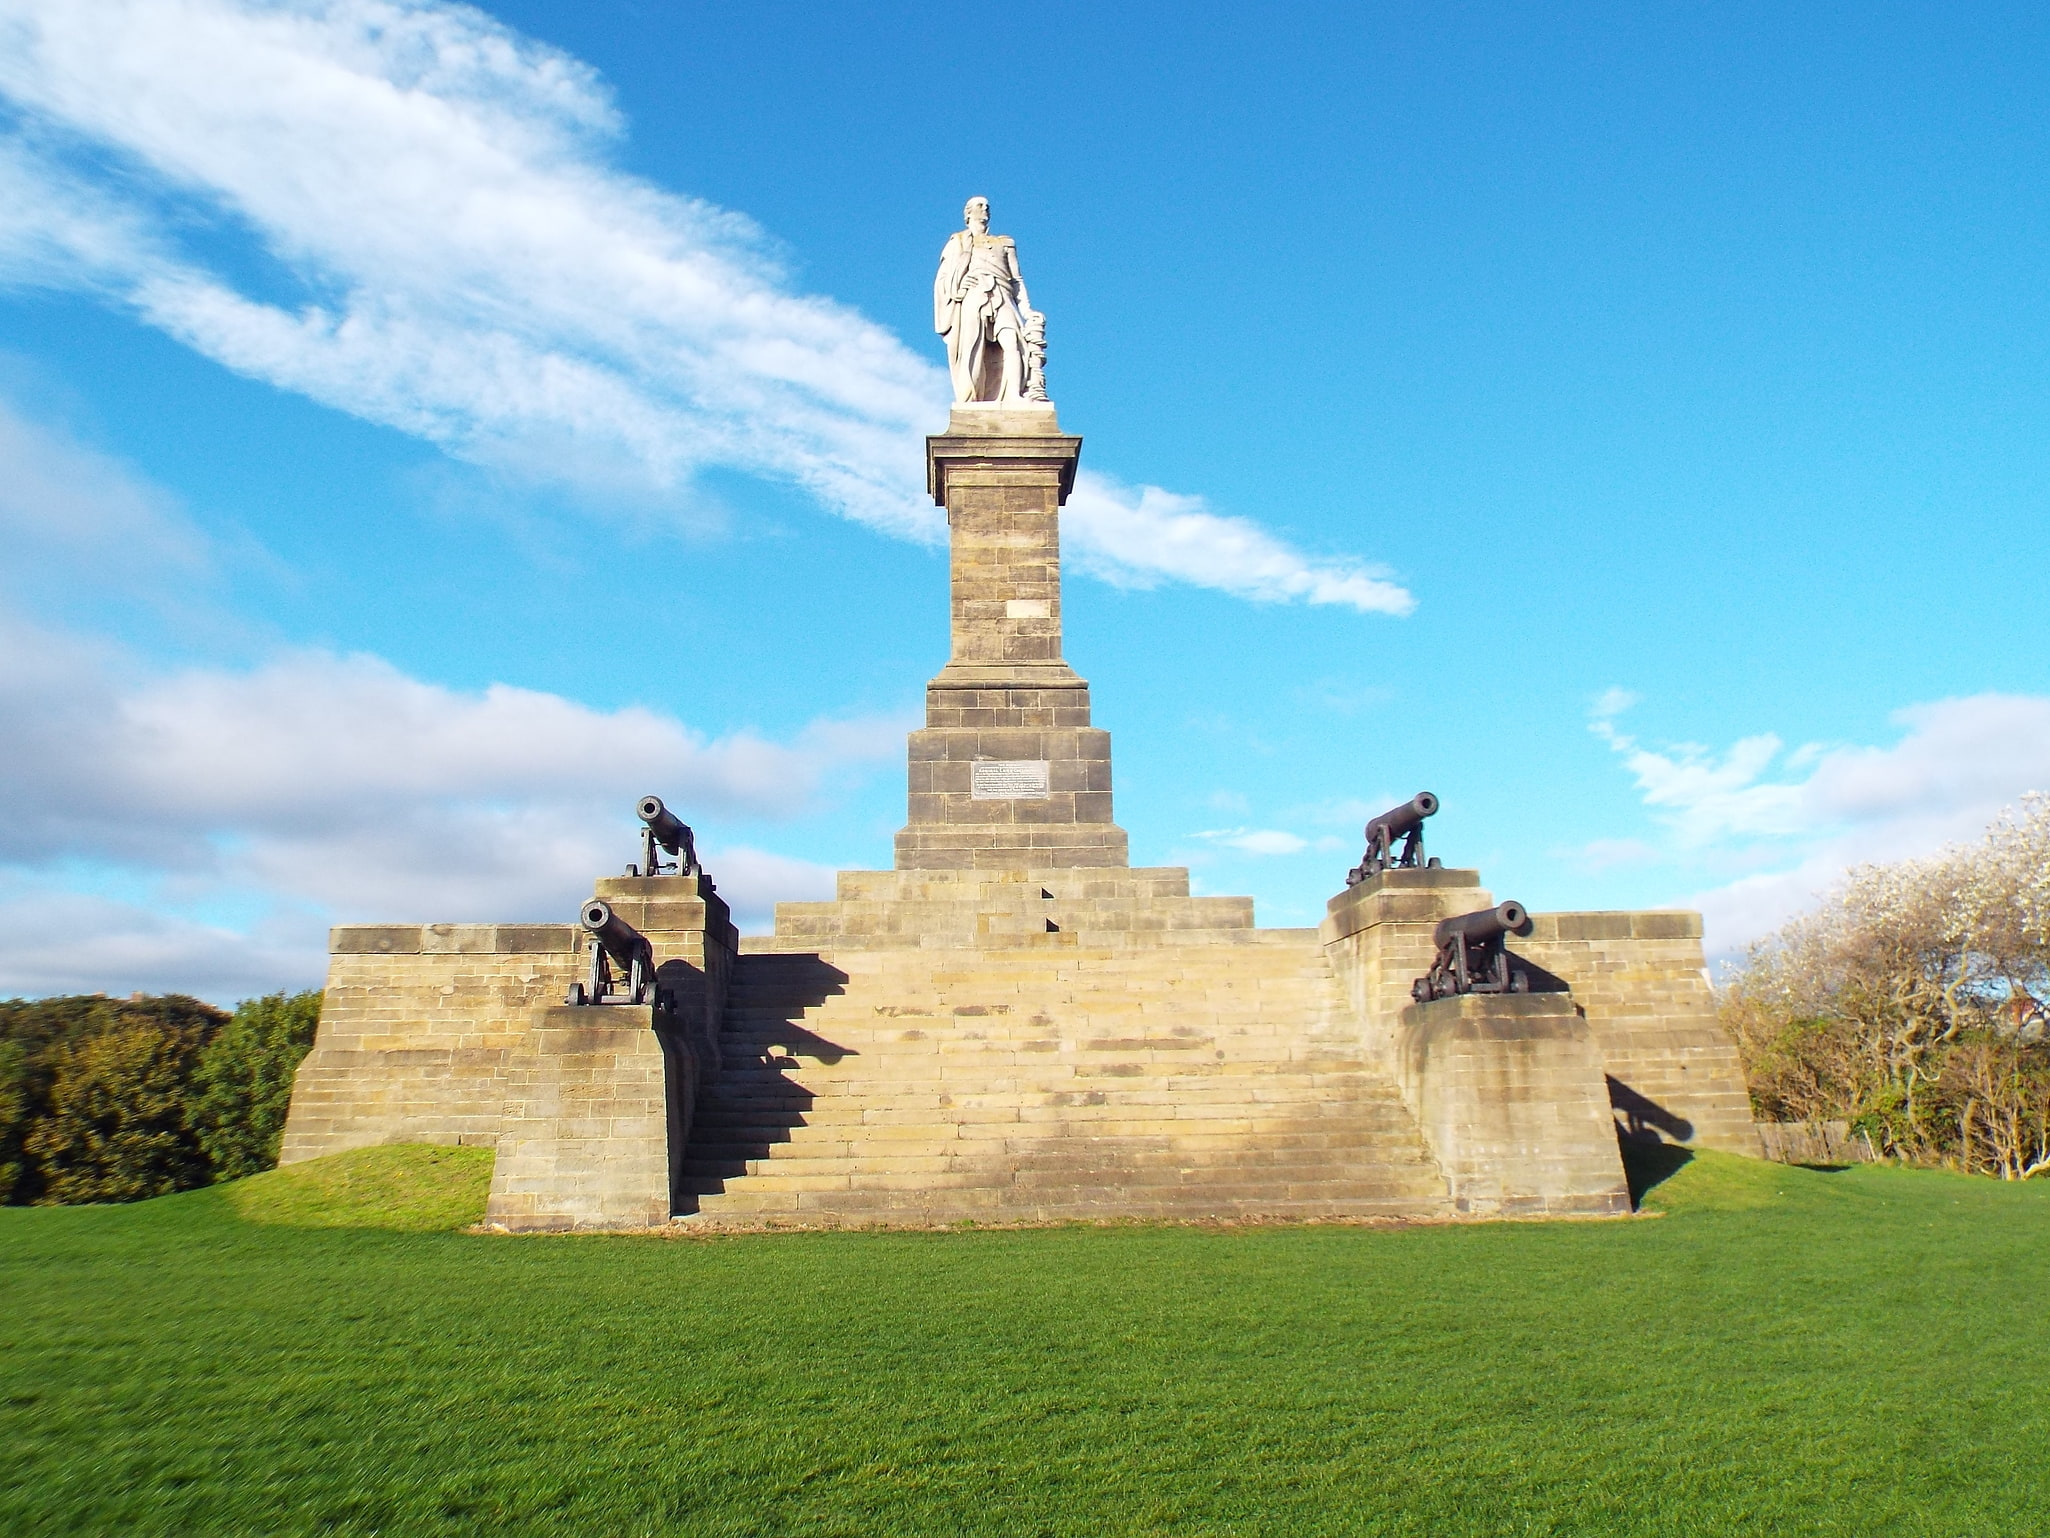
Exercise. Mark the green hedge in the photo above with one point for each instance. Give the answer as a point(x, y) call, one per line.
point(115, 1100)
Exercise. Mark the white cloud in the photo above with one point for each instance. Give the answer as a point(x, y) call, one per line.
point(1261, 841)
point(454, 256)
point(1795, 823)
point(55, 942)
point(203, 826)
point(317, 789)
point(1611, 703)
point(1138, 537)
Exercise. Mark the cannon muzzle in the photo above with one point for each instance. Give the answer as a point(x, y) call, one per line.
point(1508, 918)
point(665, 825)
point(1397, 821)
point(622, 942)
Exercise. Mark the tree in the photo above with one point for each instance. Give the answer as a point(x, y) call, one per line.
point(1911, 1003)
point(17, 1099)
point(116, 1128)
point(72, 1120)
point(242, 1085)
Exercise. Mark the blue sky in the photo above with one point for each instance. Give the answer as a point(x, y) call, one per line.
point(426, 428)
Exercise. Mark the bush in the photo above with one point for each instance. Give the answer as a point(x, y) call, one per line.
point(1912, 1003)
point(243, 1083)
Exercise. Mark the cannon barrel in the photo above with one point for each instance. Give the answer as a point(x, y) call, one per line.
point(622, 942)
point(1508, 918)
point(667, 827)
point(1401, 819)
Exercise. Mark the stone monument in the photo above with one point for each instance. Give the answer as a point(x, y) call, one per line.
point(1013, 1024)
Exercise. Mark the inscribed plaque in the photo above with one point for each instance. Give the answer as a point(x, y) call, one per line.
point(1018, 779)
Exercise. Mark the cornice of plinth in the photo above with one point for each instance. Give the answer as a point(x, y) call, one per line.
point(948, 454)
point(1007, 675)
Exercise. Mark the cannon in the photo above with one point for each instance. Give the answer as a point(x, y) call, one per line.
point(1473, 954)
point(662, 831)
point(615, 944)
point(1405, 822)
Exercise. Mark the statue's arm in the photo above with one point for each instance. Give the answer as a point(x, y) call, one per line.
point(1017, 276)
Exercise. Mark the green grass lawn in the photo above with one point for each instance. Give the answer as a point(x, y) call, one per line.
point(1786, 1350)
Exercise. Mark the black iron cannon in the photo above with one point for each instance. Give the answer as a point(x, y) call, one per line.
point(1405, 822)
point(620, 954)
point(1473, 955)
point(662, 830)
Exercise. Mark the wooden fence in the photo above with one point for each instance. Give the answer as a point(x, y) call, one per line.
point(1816, 1142)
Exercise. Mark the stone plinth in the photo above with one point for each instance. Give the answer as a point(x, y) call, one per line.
point(1509, 1091)
point(1008, 772)
point(1378, 935)
point(597, 1115)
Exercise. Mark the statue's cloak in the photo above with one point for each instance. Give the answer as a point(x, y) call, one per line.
point(946, 286)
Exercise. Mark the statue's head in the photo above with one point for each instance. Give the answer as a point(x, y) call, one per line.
point(977, 215)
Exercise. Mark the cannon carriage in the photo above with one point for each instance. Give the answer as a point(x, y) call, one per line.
point(1403, 824)
point(1473, 954)
point(622, 969)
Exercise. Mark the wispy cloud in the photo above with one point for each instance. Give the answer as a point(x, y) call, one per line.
point(450, 252)
point(1141, 536)
point(1794, 822)
point(64, 506)
point(1266, 841)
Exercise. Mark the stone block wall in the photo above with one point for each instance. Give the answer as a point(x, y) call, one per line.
point(1053, 910)
point(421, 1021)
point(415, 1028)
point(1674, 1074)
point(1671, 1071)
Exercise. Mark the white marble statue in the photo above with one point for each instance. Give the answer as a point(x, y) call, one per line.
point(996, 341)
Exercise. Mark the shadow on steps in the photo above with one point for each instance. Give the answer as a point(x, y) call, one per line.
point(754, 1104)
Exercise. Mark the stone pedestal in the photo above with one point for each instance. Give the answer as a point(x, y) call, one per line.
point(1008, 773)
point(1509, 1091)
point(597, 1115)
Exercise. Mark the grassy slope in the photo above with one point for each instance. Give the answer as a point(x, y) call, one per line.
point(1787, 1350)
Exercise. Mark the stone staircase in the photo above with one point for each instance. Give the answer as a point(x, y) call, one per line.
point(1115, 1050)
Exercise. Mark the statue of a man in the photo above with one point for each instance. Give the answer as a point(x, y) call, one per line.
point(996, 341)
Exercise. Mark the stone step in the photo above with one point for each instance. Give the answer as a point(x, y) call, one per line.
point(1214, 1074)
point(1102, 1205)
point(1290, 1166)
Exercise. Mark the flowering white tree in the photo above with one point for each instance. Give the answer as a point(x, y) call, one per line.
point(1912, 1003)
